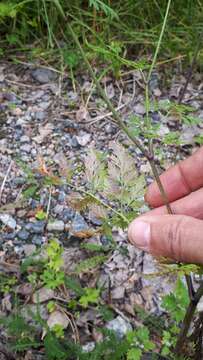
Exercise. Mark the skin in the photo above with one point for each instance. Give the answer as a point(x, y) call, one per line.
point(179, 236)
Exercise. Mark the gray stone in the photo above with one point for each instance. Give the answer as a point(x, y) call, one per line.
point(188, 133)
point(8, 220)
point(83, 139)
point(42, 295)
point(88, 347)
point(74, 142)
point(120, 326)
point(78, 225)
point(67, 214)
point(163, 130)
point(61, 196)
point(29, 249)
point(26, 148)
point(40, 115)
point(30, 312)
point(37, 240)
point(23, 235)
point(24, 139)
point(109, 129)
point(44, 76)
point(35, 227)
point(57, 225)
point(118, 293)
point(139, 109)
point(19, 181)
point(58, 209)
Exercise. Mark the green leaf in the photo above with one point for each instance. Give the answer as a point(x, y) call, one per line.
point(90, 264)
point(91, 296)
point(100, 5)
point(30, 191)
point(176, 303)
point(134, 354)
point(53, 348)
point(40, 215)
point(74, 285)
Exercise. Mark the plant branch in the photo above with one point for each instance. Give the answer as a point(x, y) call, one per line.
point(191, 68)
point(187, 320)
point(148, 153)
point(102, 93)
point(98, 200)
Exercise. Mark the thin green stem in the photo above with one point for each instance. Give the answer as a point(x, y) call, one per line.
point(159, 41)
point(102, 93)
point(99, 201)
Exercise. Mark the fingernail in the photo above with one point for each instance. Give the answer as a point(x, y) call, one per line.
point(139, 234)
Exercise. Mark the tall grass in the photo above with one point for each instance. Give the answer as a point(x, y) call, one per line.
point(133, 25)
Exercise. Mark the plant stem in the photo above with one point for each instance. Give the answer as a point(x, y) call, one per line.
point(150, 157)
point(159, 41)
point(102, 93)
point(159, 183)
point(98, 200)
point(190, 71)
point(187, 320)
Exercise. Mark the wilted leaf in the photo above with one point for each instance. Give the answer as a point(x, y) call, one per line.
point(58, 318)
point(98, 211)
point(84, 234)
point(95, 170)
point(78, 202)
point(123, 183)
point(65, 166)
point(82, 113)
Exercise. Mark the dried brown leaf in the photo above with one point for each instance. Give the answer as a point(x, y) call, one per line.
point(82, 113)
point(97, 211)
point(44, 131)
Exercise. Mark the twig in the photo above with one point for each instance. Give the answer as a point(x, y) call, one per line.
point(49, 203)
point(101, 117)
point(5, 179)
point(187, 320)
point(190, 71)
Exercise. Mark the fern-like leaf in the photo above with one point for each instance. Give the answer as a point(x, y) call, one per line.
point(124, 184)
point(95, 171)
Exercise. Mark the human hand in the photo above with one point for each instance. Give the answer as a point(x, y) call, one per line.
point(179, 236)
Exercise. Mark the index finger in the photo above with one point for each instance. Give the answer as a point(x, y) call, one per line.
point(179, 180)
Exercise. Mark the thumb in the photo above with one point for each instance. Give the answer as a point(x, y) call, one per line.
point(174, 236)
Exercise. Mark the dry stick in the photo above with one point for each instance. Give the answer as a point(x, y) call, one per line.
point(190, 71)
point(120, 122)
point(188, 319)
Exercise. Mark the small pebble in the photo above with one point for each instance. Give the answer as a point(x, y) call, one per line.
point(8, 220)
point(35, 227)
point(57, 225)
point(23, 235)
